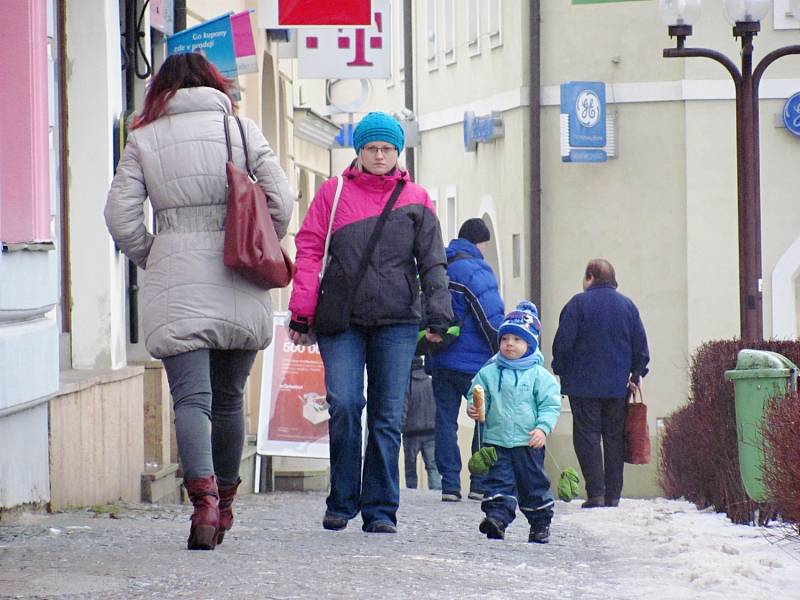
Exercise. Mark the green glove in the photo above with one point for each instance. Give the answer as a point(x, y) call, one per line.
point(482, 461)
point(568, 485)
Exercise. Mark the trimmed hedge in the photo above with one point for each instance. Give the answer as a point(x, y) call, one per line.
point(782, 471)
point(699, 452)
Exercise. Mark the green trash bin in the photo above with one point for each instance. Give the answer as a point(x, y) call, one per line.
point(759, 375)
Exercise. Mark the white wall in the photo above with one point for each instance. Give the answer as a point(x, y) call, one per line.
point(94, 103)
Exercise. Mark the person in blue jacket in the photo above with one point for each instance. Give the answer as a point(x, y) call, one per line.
point(600, 352)
point(522, 402)
point(478, 308)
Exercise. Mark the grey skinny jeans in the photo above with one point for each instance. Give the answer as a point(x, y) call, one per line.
point(207, 389)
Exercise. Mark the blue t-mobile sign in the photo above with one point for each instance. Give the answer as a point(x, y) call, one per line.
point(583, 121)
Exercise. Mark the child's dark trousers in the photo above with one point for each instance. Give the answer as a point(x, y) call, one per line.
point(518, 478)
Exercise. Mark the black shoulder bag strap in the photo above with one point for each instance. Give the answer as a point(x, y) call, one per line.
point(376, 233)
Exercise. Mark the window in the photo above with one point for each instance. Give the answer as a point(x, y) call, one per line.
point(401, 42)
point(430, 35)
point(494, 25)
point(449, 32)
point(473, 28)
point(434, 195)
point(452, 213)
point(396, 9)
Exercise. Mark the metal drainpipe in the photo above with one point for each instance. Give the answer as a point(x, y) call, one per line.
point(408, 73)
point(534, 145)
point(131, 36)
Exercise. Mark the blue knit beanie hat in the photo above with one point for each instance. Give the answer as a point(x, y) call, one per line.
point(523, 322)
point(378, 127)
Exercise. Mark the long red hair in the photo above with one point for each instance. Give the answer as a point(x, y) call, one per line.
point(185, 70)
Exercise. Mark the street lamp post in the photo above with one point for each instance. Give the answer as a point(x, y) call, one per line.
point(746, 16)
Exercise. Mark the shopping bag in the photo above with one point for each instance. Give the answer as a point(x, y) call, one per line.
point(637, 431)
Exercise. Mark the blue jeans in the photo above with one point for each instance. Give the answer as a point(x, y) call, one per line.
point(448, 389)
point(413, 445)
point(518, 478)
point(387, 352)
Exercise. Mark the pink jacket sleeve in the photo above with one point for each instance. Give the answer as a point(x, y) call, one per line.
point(310, 243)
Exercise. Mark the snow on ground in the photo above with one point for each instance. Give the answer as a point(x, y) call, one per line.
point(671, 550)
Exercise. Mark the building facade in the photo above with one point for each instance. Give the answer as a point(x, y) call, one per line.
point(84, 413)
point(663, 210)
point(80, 398)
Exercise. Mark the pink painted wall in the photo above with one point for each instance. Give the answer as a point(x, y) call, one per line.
point(24, 161)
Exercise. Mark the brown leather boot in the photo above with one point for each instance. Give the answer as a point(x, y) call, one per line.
point(205, 520)
point(226, 495)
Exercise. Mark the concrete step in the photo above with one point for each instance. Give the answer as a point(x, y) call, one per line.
point(161, 484)
point(301, 481)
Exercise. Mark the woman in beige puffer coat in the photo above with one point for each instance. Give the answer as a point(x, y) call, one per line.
point(202, 319)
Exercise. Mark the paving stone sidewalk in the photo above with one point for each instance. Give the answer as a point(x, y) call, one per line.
point(278, 549)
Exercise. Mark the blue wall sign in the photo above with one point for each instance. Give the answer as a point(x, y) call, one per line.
point(791, 114)
point(213, 39)
point(484, 128)
point(344, 139)
point(583, 112)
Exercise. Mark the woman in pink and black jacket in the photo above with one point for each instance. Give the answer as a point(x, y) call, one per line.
point(384, 318)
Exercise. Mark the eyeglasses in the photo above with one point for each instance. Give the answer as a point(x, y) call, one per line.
point(385, 150)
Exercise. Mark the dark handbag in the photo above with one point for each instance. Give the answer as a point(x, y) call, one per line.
point(336, 290)
point(637, 432)
point(252, 248)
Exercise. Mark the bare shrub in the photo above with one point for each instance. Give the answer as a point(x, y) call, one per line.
point(699, 457)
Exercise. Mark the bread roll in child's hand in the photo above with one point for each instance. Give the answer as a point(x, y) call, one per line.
point(477, 402)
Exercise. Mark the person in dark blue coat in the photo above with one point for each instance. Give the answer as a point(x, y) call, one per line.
point(600, 352)
point(479, 309)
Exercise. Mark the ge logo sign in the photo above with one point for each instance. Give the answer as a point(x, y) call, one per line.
point(587, 108)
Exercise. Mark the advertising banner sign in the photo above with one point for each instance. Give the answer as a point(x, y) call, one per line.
point(161, 16)
point(213, 39)
point(280, 14)
point(482, 129)
point(244, 46)
point(583, 121)
point(362, 53)
point(791, 114)
point(293, 411)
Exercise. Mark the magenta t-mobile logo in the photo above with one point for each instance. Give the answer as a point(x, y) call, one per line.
point(358, 42)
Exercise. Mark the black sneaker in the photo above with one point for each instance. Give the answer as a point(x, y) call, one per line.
point(492, 529)
point(380, 527)
point(540, 534)
point(475, 495)
point(453, 496)
point(334, 523)
point(612, 502)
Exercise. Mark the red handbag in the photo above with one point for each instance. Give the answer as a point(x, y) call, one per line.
point(252, 248)
point(637, 431)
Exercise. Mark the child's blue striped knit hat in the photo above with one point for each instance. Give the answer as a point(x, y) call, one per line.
point(378, 127)
point(523, 322)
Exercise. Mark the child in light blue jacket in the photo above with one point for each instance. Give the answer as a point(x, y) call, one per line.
point(522, 402)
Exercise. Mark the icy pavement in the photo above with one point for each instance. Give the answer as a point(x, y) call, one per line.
point(278, 549)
